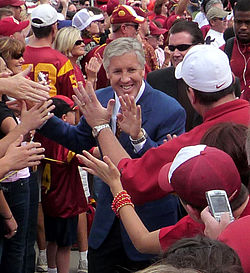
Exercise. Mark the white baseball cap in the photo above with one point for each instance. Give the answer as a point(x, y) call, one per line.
point(46, 14)
point(84, 18)
point(205, 68)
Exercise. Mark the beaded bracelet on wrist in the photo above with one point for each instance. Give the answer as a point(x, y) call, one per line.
point(121, 199)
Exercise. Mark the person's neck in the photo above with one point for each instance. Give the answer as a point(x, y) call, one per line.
point(205, 108)
point(43, 42)
point(237, 213)
point(73, 60)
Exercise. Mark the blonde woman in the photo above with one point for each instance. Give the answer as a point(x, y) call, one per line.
point(70, 43)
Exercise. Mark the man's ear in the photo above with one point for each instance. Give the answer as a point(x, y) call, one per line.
point(191, 95)
point(194, 213)
point(64, 117)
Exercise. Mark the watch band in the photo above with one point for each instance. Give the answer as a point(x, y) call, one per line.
point(141, 139)
point(97, 129)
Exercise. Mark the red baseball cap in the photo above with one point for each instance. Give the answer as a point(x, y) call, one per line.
point(197, 169)
point(139, 11)
point(111, 5)
point(14, 3)
point(154, 30)
point(66, 99)
point(125, 14)
point(237, 236)
point(9, 25)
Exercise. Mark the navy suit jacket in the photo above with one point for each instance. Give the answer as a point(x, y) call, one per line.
point(161, 115)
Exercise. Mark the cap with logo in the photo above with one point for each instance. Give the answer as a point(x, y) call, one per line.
point(14, 3)
point(63, 105)
point(84, 18)
point(205, 68)
point(215, 12)
point(197, 169)
point(45, 14)
point(125, 14)
point(9, 25)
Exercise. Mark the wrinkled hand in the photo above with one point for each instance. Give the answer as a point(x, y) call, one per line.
point(93, 67)
point(18, 157)
point(36, 116)
point(23, 88)
point(130, 117)
point(11, 227)
point(105, 169)
point(213, 228)
point(94, 113)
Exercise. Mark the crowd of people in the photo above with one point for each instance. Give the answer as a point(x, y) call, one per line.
point(116, 118)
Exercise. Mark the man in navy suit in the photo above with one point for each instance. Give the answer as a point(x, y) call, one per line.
point(110, 249)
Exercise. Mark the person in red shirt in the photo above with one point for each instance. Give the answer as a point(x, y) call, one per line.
point(239, 54)
point(56, 67)
point(194, 170)
point(63, 197)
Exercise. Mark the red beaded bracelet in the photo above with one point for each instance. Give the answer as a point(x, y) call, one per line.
point(121, 199)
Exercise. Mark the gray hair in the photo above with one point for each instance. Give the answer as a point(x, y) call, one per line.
point(210, 4)
point(121, 46)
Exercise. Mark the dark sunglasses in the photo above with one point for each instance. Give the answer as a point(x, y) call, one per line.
point(101, 21)
point(17, 56)
point(136, 26)
point(222, 19)
point(182, 47)
point(79, 42)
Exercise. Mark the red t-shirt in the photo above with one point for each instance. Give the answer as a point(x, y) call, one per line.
point(186, 227)
point(55, 66)
point(62, 189)
point(146, 168)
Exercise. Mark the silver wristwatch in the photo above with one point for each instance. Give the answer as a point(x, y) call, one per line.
point(97, 129)
point(141, 139)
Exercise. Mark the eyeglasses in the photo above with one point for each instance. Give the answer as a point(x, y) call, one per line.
point(222, 19)
point(79, 42)
point(181, 47)
point(136, 26)
point(17, 56)
point(101, 21)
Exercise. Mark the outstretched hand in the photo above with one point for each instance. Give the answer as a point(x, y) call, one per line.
point(105, 169)
point(36, 116)
point(129, 119)
point(94, 113)
point(19, 157)
point(26, 89)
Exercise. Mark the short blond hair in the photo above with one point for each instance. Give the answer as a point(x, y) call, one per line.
point(65, 40)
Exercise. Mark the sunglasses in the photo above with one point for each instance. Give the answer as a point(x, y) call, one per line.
point(222, 19)
point(79, 42)
point(136, 26)
point(101, 21)
point(17, 56)
point(181, 47)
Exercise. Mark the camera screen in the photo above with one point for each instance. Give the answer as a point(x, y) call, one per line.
point(219, 204)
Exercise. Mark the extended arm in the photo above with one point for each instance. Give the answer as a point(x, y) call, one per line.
point(143, 240)
point(21, 88)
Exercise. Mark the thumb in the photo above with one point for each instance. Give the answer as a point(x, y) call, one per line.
point(110, 106)
point(18, 141)
point(5, 74)
point(23, 106)
point(26, 71)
